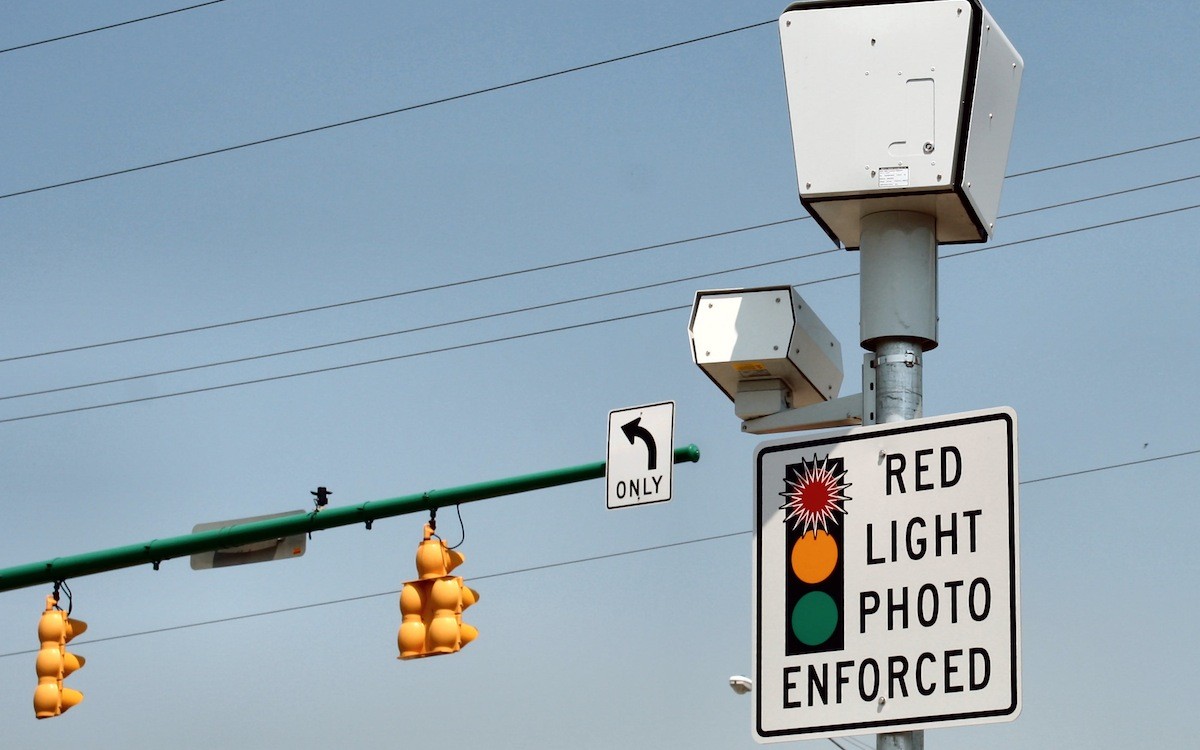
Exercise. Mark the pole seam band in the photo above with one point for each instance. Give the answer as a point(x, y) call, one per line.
point(908, 359)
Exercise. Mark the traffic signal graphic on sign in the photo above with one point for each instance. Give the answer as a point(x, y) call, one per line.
point(878, 609)
point(814, 501)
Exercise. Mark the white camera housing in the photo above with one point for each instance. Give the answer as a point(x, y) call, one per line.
point(765, 349)
point(904, 105)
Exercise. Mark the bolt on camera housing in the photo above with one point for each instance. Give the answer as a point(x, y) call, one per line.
point(906, 105)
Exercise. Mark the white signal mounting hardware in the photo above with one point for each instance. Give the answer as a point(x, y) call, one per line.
point(900, 106)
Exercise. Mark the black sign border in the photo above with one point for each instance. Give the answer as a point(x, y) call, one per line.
point(901, 428)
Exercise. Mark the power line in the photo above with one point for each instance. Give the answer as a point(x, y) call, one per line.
point(408, 292)
point(531, 308)
point(1113, 194)
point(558, 329)
point(548, 566)
point(1066, 232)
point(487, 90)
point(346, 600)
point(608, 556)
point(334, 368)
point(109, 26)
point(389, 113)
point(429, 327)
point(1107, 156)
point(562, 264)
point(1110, 466)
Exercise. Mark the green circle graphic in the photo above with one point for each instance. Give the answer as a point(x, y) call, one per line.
point(814, 618)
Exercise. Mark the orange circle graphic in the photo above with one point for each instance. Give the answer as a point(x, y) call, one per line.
point(814, 556)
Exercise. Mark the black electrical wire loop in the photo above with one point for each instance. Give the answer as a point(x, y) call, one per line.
point(458, 509)
point(62, 586)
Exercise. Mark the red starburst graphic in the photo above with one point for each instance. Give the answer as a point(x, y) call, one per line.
point(815, 491)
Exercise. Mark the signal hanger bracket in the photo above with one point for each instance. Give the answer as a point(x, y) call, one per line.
point(847, 411)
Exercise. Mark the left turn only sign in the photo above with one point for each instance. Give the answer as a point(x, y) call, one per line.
point(640, 454)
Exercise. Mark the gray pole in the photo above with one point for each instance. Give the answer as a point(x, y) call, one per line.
point(898, 322)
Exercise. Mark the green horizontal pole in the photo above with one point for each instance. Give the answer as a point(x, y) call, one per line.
point(157, 550)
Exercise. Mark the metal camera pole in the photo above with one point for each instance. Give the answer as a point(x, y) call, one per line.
point(898, 322)
point(902, 114)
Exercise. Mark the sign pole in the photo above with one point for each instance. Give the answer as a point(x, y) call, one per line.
point(898, 322)
point(902, 116)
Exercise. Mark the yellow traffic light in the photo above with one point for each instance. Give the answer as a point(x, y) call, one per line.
point(431, 605)
point(54, 662)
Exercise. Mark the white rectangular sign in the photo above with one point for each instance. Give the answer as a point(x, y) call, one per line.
point(641, 454)
point(886, 578)
point(281, 548)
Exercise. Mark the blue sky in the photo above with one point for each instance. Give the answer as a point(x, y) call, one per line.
point(1089, 336)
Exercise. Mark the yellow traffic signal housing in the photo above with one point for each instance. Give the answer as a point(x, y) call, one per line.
point(54, 662)
point(431, 605)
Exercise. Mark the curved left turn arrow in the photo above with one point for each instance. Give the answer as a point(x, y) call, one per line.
point(634, 430)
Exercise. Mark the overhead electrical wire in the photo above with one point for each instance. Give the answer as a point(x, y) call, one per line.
point(1108, 156)
point(560, 564)
point(566, 263)
point(1113, 194)
point(109, 26)
point(334, 368)
point(389, 113)
point(428, 327)
point(1052, 235)
point(465, 95)
point(558, 329)
point(853, 741)
point(443, 100)
point(408, 292)
point(450, 284)
point(531, 308)
point(1110, 466)
point(493, 276)
point(511, 312)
